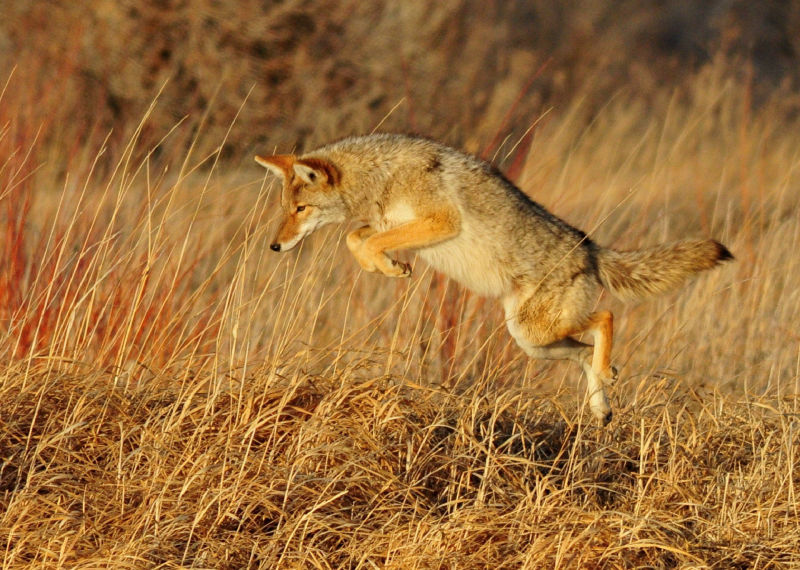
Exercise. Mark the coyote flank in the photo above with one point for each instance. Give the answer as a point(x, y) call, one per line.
point(465, 219)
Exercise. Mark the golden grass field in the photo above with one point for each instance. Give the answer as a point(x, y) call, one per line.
point(175, 395)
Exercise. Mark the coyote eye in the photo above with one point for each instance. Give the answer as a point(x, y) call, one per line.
point(300, 208)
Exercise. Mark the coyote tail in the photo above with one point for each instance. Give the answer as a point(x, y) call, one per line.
point(637, 274)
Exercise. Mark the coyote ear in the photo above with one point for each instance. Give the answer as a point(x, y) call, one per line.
point(279, 165)
point(312, 170)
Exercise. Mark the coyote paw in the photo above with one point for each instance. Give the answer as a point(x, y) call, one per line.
point(610, 375)
point(398, 269)
point(601, 410)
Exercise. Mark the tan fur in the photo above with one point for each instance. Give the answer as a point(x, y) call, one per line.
point(467, 221)
point(639, 274)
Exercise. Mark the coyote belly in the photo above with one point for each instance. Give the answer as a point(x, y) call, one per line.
point(468, 221)
point(471, 261)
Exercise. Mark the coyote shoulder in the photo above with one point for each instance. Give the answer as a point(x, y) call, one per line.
point(465, 219)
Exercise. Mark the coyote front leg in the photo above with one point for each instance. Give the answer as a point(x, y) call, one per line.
point(369, 246)
point(370, 261)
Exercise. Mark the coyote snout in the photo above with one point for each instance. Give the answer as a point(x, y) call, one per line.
point(469, 222)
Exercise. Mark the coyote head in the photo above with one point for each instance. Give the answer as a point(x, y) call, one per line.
point(310, 197)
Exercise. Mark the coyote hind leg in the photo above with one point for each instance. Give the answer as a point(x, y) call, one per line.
point(601, 327)
point(546, 343)
point(599, 371)
point(570, 349)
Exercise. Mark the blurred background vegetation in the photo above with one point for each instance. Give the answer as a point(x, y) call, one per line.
point(173, 394)
point(300, 72)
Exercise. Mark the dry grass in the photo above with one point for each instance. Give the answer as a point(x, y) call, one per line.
point(173, 394)
point(329, 472)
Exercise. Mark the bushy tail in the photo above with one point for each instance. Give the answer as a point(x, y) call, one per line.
point(637, 274)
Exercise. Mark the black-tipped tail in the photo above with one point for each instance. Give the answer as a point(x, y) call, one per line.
point(724, 253)
point(647, 272)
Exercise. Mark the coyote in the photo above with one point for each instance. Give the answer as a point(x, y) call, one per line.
point(465, 219)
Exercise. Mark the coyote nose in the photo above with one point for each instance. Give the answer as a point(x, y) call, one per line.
point(275, 247)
